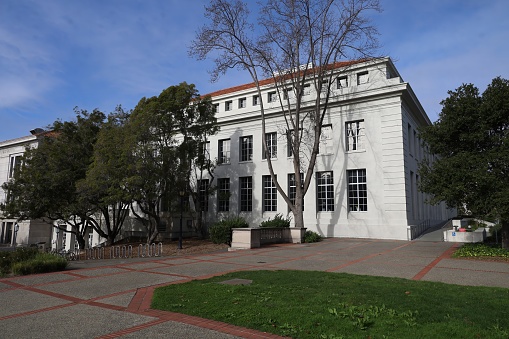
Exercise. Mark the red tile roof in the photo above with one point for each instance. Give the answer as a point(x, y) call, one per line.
point(264, 82)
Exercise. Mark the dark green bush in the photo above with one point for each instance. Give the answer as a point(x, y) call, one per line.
point(5, 263)
point(278, 221)
point(221, 231)
point(311, 236)
point(42, 263)
point(24, 253)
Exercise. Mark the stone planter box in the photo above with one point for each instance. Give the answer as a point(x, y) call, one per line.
point(247, 238)
point(456, 236)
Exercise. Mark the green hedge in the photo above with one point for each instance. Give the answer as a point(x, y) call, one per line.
point(278, 222)
point(42, 263)
point(28, 260)
point(221, 231)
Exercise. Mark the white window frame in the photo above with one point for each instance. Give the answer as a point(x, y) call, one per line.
point(357, 190)
point(242, 103)
point(269, 197)
point(228, 105)
point(325, 191)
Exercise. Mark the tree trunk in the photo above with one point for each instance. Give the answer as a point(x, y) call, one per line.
point(110, 240)
point(505, 232)
point(81, 240)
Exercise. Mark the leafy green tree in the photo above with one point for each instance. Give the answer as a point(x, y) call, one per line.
point(471, 141)
point(166, 132)
point(297, 45)
point(104, 184)
point(45, 186)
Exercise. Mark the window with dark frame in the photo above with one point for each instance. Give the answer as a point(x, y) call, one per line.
point(223, 194)
point(203, 194)
point(357, 190)
point(242, 102)
point(354, 135)
point(228, 105)
point(246, 148)
point(362, 78)
point(224, 151)
point(14, 164)
point(256, 100)
point(271, 142)
point(324, 191)
point(271, 97)
point(246, 194)
point(269, 194)
point(292, 187)
point(342, 82)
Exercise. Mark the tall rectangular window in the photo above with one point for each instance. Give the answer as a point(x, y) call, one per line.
point(203, 194)
point(269, 194)
point(324, 191)
point(325, 146)
point(357, 190)
point(271, 97)
point(223, 194)
point(292, 187)
point(228, 105)
point(246, 148)
point(246, 194)
point(355, 135)
point(271, 142)
point(215, 108)
point(242, 102)
point(224, 151)
point(14, 164)
point(256, 100)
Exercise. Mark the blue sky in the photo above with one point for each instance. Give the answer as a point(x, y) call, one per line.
point(58, 54)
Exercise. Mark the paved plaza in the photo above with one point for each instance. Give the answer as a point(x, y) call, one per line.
point(111, 298)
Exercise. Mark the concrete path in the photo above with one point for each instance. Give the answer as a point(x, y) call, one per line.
point(111, 298)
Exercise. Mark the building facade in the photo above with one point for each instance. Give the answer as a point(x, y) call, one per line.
point(12, 231)
point(365, 178)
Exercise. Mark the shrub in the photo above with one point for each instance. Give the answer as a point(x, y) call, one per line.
point(5, 263)
point(24, 254)
point(221, 231)
point(481, 250)
point(42, 263)
point(278, 222)
point(311, 236)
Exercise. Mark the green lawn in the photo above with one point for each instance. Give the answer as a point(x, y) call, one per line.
point(303, 304)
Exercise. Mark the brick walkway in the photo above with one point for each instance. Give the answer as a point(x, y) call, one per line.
point(111, 298)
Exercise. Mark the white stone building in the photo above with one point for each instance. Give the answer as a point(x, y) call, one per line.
point(12, 232)
point(365, 177)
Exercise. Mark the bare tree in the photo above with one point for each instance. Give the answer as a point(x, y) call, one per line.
point(297, 45)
